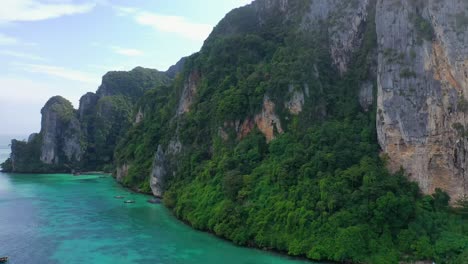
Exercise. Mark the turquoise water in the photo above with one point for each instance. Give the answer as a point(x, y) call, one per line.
point(76, 219)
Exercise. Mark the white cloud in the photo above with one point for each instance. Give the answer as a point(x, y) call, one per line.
point(175, 24)
point(112, 67)
point(33, 10)
point(60, 72)
point(7, 40)
point(127, 52)
point(13, 85)
point(21, 55)
point(22, 98)
point(124, 10)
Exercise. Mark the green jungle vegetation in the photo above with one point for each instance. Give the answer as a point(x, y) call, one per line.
point(318, 190)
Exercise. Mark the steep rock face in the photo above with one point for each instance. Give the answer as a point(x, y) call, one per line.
point(158, 173)
point(139, 116)
point(106, 116)
point(176, 68)
point(86, 139)
point(297, 100)
point(344, 21)
point(267, 121)
point(87, 104)
point(188, 93)
point(32, 137)
point(422, 91)
point(60, 132)
point(122, 172)
point(366, 95)
point(164, 162)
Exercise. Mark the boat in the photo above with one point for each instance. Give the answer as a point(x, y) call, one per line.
point(129, 201)
point(119, 197)
point(154, 201)
point(3, 259)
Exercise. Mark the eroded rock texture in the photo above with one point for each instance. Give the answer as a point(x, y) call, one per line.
point(60, 132)
point(422, 91)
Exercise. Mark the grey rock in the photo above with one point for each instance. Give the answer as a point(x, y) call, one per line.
point(297, 99)
point(158, 173)
point(188, 93)
point(61, 132)
point(87, 104)
point(139, 116)
point(122, 172)
point(176, 68)
point(366, 95)
point(345, 21)
point(32, 137)
point(420, 82)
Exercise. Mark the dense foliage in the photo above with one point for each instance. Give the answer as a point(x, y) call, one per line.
point(318, 190)
point(108, 115)
point(27, 157)
point(114, 112)
point(109, 121)
point(132, 84)
point(143, 138)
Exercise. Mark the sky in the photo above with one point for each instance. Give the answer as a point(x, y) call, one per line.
point(63, 47)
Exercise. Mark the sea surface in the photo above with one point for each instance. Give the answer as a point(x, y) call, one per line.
point(61, 218)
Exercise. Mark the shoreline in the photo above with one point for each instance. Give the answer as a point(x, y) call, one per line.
point(211, 233)
point(205, 231)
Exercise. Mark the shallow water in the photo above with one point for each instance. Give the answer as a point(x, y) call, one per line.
point(62, 218)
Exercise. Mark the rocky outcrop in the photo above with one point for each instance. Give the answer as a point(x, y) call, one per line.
point(164, 164)
point(176, 68)
point(345, 23)
point(87, 104)
point(122, 172)
point(366, 95)
point(297, 99)
point(158, 173)
point(422, 91)
point(86, 138)
point(139, 116)
point(188, 93)
point(32, 137)
point(60, 132)
point(267, 121)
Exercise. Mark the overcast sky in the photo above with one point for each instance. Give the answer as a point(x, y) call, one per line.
point(63, 47)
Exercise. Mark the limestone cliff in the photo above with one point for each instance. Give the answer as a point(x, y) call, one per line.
point(417, 80)
point(422, 91)
point(58, 146)
point(419, 65)
point(85, 139)
point(158, 173)
point(61, 132)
